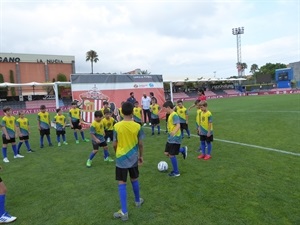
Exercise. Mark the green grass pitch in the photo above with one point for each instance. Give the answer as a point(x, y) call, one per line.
point(252, 178)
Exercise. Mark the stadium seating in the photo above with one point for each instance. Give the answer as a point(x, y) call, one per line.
point(232, 92)
point(38, 103)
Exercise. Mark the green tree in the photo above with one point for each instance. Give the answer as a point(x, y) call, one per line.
point(92, 56)
point(3, 90)
point(269, 69)
point(61, 77)
point(12, 80)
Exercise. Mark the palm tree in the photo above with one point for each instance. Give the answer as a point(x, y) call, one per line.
point(253, 68)
point(241, 67)
point(145, 72)
point(93, 57)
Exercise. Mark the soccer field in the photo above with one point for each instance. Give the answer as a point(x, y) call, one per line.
point(252, 178)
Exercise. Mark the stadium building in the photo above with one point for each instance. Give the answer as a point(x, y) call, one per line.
point(25, 68)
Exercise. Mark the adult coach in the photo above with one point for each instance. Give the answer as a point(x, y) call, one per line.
point(131, 99)
point(145, 102)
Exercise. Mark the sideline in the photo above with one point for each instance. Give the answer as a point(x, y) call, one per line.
point(248, 145)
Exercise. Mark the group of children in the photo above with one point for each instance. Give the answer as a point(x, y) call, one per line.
point(127, 136)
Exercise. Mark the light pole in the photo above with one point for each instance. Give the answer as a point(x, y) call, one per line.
point(238, 31)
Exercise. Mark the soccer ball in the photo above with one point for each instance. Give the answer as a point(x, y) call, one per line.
point(162, 166)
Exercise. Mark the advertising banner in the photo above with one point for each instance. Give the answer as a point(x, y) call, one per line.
point(91, 90)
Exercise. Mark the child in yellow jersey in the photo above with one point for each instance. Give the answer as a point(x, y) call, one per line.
point(44, 126)
point(137, 113)
point(174, 139)
point(9, 134)
point(121, 115)
point(60, 125)
point(98, 140)
point(22, 125)
point(109, 123)
point(154, 109)
point(75, 117)
point(105, 106)
point(183, 117)
point(128, 146)
point(205, 130)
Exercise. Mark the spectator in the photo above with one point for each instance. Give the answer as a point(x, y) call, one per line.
point(131, 99)
point(145, 102)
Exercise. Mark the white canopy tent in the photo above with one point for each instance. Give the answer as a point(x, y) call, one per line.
point(34, 84)
point(200, 80)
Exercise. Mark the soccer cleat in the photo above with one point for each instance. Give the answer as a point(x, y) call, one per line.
point(144, 124)
point(158, 133)
point(108, 159)
point(139, 204)
point(185, 152)
point(50, 144)
point(173, 174)
point(202, 156)
point(59, 144)
point(207, 157)
point(149, 124)
point(121, 215)
point(86, 140)
point(41, 146)
point(30, 151)
point(108, 140)
point(152, 134)
point(6, 160)
point(88, 163)
point(6, 218)
point(65, 143)
point(18, 156)
point(77, 142)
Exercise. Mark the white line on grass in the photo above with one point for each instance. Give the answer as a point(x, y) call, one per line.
point(254, 146)
point(248, 145)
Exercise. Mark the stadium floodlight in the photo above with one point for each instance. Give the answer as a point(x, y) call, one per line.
point(238, 31)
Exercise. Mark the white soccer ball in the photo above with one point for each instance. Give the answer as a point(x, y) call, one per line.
point(162, 166)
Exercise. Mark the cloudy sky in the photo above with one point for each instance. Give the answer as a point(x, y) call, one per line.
point(178, 38)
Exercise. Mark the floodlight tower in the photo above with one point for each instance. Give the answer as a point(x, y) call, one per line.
point(238, 31)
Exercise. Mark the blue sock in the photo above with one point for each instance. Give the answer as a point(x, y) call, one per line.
point(41, 140)
point(152, 128)
point(158, 129)
point(136, 190)
point(209, 147)
point(182, 150)
point(106, 154)
point(14, 147)
point(27, 145)
point(75, 135)
point(174, 164)
point(19, 146)
point(2, 204)
point(203, 147)
point(48, 138)
point(58, 138)
point(64, 138)
point(123, 197)
point(92, 155)
point(4, 152)
point(188, 132)
point(82, 135)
